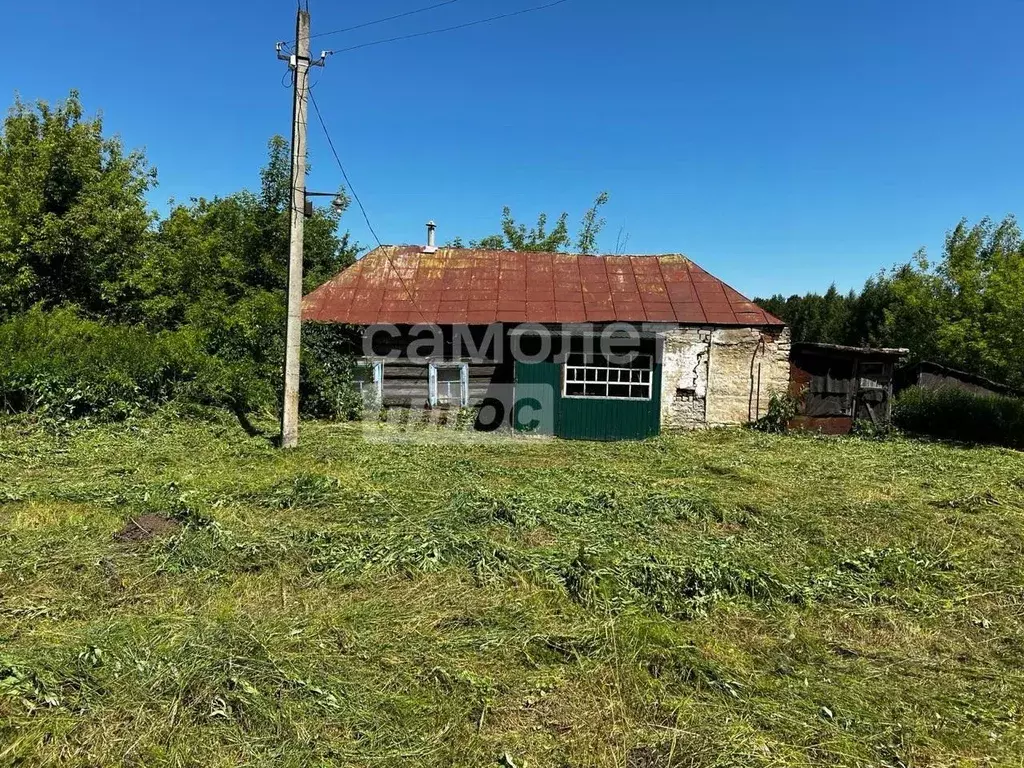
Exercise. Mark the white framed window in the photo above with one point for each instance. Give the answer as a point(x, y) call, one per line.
point(594, 376)
point(449, 385)
point(369, 377)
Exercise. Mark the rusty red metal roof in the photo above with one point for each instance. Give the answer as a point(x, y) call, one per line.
point(402, 285)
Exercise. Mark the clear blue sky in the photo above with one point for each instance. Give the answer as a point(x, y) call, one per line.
point(781, 145)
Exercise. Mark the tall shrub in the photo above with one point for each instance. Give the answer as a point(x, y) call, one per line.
point(328, 386)
point(956, 414)
point(66, 366)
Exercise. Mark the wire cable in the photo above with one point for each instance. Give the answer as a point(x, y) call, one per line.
point(334, 151)
point(362, 208)
point(386, 19)
point(453, 28)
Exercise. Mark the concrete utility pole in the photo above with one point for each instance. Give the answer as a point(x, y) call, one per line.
point(300, 63)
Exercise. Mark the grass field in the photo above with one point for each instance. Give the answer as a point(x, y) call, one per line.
point(717, 599)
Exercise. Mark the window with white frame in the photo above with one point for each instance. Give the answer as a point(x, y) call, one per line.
point(449, 385)
point(595, 376)
point(369, 377)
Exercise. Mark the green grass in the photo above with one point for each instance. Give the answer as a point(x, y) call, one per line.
point(726, 598)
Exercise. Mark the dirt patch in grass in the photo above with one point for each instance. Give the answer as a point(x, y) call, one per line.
point(540, 537)
point(146, 527)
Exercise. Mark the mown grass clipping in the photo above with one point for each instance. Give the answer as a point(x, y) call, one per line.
point(175, 592)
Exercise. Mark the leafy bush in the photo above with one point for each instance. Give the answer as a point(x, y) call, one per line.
point(65, 366)
point(956, 414)
point(328, 388)
point(869, 430)
point(782, 407)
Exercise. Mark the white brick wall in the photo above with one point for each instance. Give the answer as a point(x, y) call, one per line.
point(710, 375)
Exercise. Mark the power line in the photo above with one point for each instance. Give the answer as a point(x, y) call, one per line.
point(341, 165)
point(366, 218)
point(452, 29)
point(381, 21)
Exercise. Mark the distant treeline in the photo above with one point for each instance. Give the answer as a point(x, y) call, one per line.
point(965, 311)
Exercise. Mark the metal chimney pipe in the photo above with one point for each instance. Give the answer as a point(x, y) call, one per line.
point(431, 235)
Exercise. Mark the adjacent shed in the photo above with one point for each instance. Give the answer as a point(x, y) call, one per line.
point(934, 376)
point(838, 385)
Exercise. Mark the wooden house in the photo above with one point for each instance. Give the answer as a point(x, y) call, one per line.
point(523, 339)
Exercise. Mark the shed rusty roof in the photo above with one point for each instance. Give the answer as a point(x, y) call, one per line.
point(403, 285)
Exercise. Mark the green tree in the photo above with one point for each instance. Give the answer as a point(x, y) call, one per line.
point(519, 237)
point(210, 254)
point(913, 313)
point(591, 226)
point(815, 317)
point(866, 323)
point(74, 223)
point(966, 311)
point(220, 266)
point(979, 290)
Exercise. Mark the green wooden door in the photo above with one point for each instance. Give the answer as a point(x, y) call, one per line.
point(540, 408)
point(536, 397)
